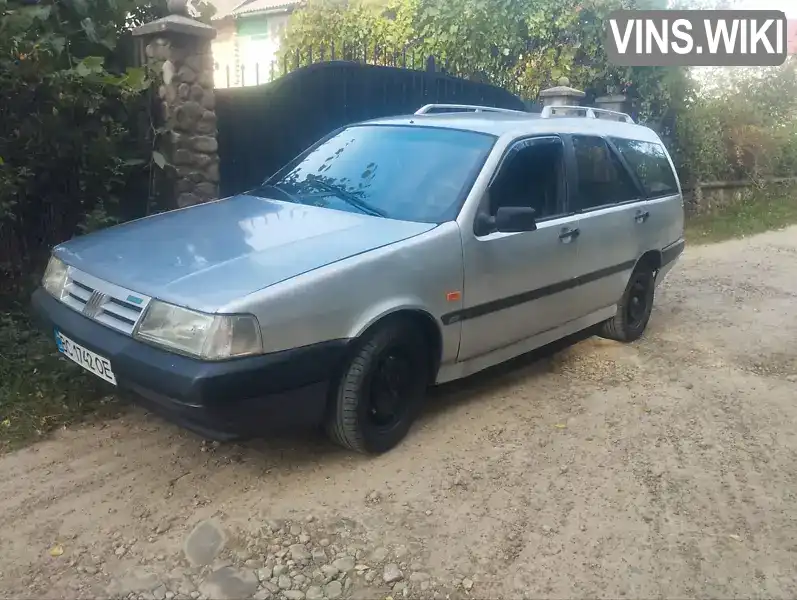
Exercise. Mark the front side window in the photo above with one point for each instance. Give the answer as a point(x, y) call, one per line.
point(408, 173)
point(602, 179)
point(531, 176)
point(650, 163)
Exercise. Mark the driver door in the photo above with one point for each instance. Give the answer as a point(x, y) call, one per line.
point(516, 283)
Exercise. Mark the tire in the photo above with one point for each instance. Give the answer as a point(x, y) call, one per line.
point(634, 308)
point(358, 417)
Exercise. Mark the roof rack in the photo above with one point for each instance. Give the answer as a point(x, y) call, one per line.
point(425, 110)
point(588, 112)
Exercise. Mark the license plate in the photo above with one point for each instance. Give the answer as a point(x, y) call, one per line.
point(87, 359)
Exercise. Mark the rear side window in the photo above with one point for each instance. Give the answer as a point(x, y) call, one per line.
point(650, 163)
point(602, 178)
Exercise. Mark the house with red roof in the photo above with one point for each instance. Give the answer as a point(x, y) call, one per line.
point(248, 35)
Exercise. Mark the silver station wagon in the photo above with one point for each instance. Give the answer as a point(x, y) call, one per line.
point(392, 255)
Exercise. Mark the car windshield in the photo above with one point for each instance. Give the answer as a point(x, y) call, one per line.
point(409, 173)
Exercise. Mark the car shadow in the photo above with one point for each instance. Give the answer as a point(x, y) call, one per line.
point(299, 447)
point(534, 363)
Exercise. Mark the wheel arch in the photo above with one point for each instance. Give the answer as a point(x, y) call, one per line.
point(416, 316)
point(650, 259)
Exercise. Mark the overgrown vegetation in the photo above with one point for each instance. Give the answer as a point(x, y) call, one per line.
point(73, 143)
point(39, 391)
point(774, 207)
point(741, 124)
point(70, 137)
point(75, 155)
point(75, 125)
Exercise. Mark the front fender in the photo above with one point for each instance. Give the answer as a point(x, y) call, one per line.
point(449, 334)
point(384, 309)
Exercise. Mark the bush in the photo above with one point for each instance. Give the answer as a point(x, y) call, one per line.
point(73, 123)
point(40, 391)
point(742, 127)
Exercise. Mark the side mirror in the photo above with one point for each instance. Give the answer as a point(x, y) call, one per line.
point(513, 219)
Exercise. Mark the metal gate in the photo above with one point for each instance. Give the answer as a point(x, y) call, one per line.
point(263, 127)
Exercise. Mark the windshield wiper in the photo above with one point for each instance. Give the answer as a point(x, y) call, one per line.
point(285, 193)
point(347, 197)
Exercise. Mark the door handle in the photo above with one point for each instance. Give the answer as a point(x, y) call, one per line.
point(641, 216)
point(568, 235)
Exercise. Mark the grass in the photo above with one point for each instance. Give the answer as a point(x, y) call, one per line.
point(763, 212)
point(40, 391)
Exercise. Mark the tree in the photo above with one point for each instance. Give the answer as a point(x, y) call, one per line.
point(354, 30)
point(522, 45)
point(742, 125)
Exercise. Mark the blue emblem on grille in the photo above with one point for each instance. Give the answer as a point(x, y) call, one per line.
point(134, 300)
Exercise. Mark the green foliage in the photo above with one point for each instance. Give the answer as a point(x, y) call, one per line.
point(356, 30)
point(75, 148)
point(743, 126)
point(66, 120)
point(70, 148)
point(522, 45)
point(75, 126)
point(772, 207)
point(40, 391)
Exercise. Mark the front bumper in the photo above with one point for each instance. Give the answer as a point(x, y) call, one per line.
point(234, 399)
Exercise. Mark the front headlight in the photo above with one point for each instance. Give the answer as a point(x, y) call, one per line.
point(209, 337)
point(54, 279)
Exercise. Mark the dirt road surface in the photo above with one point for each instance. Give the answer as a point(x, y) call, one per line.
point(665, 468)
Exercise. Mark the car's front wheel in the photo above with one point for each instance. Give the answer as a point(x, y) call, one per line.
point(380, 389)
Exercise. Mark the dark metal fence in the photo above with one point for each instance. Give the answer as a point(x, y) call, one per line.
point(247, 73)
point(263, 127)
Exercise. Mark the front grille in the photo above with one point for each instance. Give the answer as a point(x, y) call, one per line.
point(103, 302)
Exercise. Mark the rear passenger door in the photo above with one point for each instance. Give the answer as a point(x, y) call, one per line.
point(664, 223)
point(610, 205)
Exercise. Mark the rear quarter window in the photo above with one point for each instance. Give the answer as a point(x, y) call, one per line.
point(649, 162)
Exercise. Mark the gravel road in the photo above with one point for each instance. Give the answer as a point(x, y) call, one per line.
point(666, 468)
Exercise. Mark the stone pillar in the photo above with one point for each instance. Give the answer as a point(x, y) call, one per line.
point(179, 57)
point(561, 95)
point(616, 102)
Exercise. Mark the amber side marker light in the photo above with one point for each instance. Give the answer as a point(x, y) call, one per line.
point(454, 296)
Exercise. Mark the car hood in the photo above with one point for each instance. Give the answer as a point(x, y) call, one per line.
point(206, 256)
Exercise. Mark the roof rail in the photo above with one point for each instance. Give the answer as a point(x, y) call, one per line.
point(588, 112)
point(425, 110)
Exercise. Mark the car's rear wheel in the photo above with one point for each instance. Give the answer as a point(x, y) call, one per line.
point(380, 390)
point(634, 308)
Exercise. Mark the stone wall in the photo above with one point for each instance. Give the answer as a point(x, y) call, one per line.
point(185, 64)
point(709, 197)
